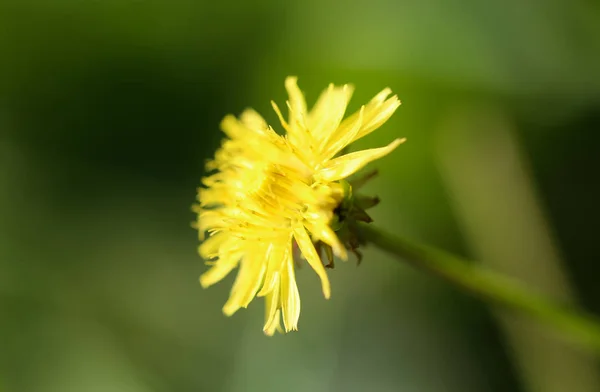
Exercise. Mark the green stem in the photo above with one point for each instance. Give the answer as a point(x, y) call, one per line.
point(575, 324)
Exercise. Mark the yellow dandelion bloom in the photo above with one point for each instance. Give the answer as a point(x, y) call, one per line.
point(269, 191)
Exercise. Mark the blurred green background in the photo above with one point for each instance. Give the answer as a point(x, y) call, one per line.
point(108, 110)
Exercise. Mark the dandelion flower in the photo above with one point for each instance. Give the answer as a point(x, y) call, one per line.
point(268, 191)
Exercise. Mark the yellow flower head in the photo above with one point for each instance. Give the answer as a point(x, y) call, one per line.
point(268, 191)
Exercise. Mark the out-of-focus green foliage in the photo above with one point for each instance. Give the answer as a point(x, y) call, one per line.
point(108, 110)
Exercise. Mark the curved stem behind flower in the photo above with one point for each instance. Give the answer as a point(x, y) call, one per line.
point(575, 324)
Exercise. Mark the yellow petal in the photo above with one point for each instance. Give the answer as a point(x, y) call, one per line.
point(376, 112)
point(241, 279)
point(232, 127)
point(328, 112)
point(280, 116)
point(211, 219)
point(290, 298)
point(220, 269)
point(255, 282)
point(253, 120)
point(310, 254)
point(272, 310)
point(246, 282)
point(324, 233)
point(378, 116)
point(296, 99)
point(342, 167)
point(274, 325)
point(276, 257)
point(297, 133)
point(337, 142)
point(209, 248)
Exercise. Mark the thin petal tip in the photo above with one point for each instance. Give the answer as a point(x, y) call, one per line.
point(229, 309)
point(204, 281)
point(392, 146)
point(340, 252)
point(291, 81)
